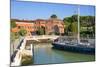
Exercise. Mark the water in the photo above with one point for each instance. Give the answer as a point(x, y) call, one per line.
point(44, 54)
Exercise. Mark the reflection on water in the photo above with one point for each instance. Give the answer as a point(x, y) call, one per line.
point(44, 54)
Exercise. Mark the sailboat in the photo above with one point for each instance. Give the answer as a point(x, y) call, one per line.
point(79, 47)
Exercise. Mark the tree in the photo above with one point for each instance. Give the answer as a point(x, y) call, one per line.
point(22, 32)
point(71, 19)
point(70, 28)
point(13, 24)
point(74, 18)
point(41, 31)
point(94, 30)
point(53, 16)
point(69, 24)
point(68, 19)
point(74, 27)
point(12, 37)
point(66, 25)
point(88, 22)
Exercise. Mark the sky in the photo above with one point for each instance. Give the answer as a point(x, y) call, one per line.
point(37, 10)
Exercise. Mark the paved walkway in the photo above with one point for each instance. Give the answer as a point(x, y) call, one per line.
point(52, 37)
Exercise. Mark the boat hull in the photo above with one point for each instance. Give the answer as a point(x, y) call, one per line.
point(79, 49)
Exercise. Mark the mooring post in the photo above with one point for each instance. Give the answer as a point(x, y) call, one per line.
point(31, 49)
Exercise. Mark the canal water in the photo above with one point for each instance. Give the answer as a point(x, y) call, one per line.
point(45, 54)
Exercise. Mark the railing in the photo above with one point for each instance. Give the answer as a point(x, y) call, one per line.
point(17, 55)
point(17, 59)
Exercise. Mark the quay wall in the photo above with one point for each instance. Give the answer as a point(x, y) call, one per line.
point(17, 57)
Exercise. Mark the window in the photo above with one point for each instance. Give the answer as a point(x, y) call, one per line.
point(19, 27)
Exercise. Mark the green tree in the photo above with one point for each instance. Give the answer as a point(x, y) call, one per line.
point(68, 19)
point(71, 19)
point(22, 32)
point(70, 28)
point(87, 20)
point(94, 31)
point(74, 28)
point(66, 25)
point(40, 31)
point(74, 18)
point(12, 37)
point(13, 24)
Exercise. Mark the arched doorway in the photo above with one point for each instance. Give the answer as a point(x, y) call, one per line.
point(56, 30)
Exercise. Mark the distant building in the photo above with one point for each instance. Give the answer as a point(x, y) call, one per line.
point(49, 26)
point(23, 24)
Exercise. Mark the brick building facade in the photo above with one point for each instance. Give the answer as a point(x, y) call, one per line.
point(49, 26)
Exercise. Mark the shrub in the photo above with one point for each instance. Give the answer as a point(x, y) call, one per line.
point(26, 60)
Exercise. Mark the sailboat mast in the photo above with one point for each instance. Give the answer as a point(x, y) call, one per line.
point(78, 24)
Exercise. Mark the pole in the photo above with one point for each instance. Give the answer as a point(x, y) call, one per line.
point(78, 24)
